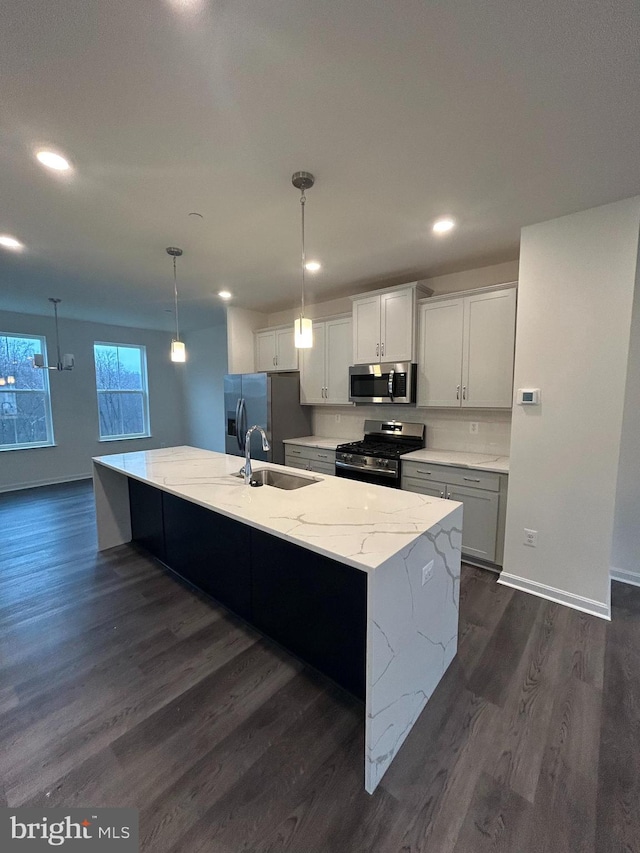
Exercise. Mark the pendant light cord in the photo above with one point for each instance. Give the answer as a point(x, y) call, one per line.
point(175, 297)
point(55, 311)
point(303, 200)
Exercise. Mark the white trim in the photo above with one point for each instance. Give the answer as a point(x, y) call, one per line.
point(559, 596)
point(625, 576)
point(54, 481)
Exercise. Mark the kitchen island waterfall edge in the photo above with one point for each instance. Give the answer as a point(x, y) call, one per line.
point(407, 546)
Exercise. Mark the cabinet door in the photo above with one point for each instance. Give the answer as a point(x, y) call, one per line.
point(147, 526)
point(440, 354)
point(489, 340)
point(313, 606)
point(209, 550)
point(397, 326)
point(338, 360)
point(312, 369)
point(366, 330)
point(265, 351)
point(286, 352)
point(480, 521)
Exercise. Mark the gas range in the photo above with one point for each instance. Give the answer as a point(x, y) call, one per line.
point(376, 459)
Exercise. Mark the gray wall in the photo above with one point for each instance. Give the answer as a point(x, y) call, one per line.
point(625, 554)
point(74, 405)
point(204, 387)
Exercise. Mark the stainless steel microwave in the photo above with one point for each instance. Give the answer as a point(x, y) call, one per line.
point(383, 383)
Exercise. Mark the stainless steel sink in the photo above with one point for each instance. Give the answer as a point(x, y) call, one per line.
point(279, 479)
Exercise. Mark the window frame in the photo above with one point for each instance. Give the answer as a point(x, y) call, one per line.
point(144, 391)
point(45, 391)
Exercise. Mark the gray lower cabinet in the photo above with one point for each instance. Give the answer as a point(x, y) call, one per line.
point(483, 494)
point(310, 458)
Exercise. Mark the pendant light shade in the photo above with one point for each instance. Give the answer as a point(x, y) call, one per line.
point(303, 328)
point(178, 349)
point(303, 333)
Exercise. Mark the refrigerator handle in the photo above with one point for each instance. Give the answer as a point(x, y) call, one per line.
point(238, 426)
point(243, 421)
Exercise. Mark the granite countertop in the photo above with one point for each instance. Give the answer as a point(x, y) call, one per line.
point(354, 523)
point(459, 459)
point(318, 441)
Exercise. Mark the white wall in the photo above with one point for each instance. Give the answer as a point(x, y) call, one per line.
point(576, 284)
point(74, 403)
point(447, 429)
point(240, 349)
point(204, 387)
point(625, 552)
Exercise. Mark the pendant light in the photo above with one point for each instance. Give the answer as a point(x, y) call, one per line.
point(66, 361)
point(303, 328)
point(178, 351)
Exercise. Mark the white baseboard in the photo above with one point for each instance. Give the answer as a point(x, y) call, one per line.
point(16, 487)
point(559, 596)
point(625, 576)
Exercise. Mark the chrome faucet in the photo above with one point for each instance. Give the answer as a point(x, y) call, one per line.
point(247, 451)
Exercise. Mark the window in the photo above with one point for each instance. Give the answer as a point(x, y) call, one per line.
point(25, 406)
point(121, 381)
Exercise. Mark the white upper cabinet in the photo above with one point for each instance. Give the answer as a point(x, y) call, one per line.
point(466, 350)
point(275, 350)
point(384, 325)
point(324, 368)
point(440, 356)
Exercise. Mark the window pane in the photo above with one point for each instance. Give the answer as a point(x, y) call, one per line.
point(132, 408)
point(110, 415)
point(118, 367)
point(25, 414)
point(16, 361)
point(23, 418)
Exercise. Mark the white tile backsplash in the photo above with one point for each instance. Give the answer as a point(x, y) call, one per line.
point(447, 429)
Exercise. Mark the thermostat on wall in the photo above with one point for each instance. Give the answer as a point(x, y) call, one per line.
point(528, 396)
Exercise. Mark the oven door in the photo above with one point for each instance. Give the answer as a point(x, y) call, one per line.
point(383, 383)
point(364, 476)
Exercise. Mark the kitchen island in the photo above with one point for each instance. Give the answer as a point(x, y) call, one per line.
point(360, 581)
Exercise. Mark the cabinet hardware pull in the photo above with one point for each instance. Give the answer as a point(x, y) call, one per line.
point(457, 392)
point(464, 392)
point(442, 494)
point(382, 350)
point(322, 456)
point(420, 471)
point(472, 479)
point(377, 349)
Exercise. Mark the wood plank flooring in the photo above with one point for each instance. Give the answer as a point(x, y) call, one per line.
point(121, 686)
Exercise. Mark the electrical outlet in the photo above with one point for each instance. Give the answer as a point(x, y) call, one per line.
point(427, 573)
point(474, 427)
point(530, 537)
point(337, 419)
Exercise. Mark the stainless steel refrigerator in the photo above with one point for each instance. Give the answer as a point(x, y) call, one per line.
point(270, 400)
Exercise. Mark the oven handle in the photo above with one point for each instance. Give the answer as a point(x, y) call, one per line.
point(390, 384)
point(383, 471)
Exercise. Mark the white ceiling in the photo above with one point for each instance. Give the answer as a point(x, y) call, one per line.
point(502, 113)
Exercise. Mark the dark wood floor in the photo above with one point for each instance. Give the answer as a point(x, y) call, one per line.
point(119, 686)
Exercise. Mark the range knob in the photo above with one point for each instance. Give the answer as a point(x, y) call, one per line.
point(385, 463)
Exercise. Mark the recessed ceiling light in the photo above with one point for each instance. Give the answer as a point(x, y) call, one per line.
point(11, 243)
point(224, 294)
point(312, 266)
point(441, 226)
point(53, 161)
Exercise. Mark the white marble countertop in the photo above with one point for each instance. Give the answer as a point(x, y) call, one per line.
point(319, 441)
point(352, 522)
point(480, 461)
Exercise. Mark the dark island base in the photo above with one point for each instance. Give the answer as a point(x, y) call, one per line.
point(313, 606)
